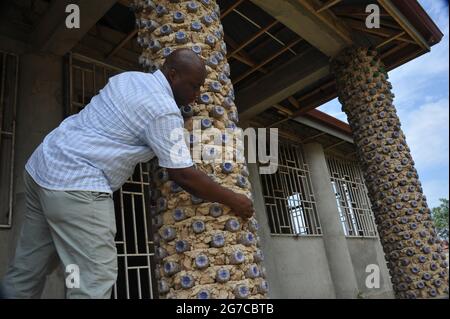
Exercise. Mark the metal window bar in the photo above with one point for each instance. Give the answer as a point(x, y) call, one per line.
point(87, 77)
point(9, 76)
point(135, 247)
point(351, 197)
point(288, 195)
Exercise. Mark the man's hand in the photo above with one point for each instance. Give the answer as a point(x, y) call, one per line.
point(241, 206)
point(198, 183)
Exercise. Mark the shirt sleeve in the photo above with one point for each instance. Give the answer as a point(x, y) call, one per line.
point(165, 135)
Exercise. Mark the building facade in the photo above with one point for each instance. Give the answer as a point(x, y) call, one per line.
point(317, 228)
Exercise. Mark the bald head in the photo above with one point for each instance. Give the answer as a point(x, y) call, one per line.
point(185, 71)
point(184, 60)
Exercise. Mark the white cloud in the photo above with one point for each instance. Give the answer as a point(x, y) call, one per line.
point(434, 190)
point(333, 108)
point(412, 80)
point(437, 9)
point(426, 130)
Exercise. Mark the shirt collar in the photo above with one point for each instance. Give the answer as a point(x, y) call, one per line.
point(163, 81)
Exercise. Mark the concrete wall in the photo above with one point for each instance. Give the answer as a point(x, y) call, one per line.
point(39, 110)
point(366, 251)
point(335, 243)
point(296, 267)
point(299, 267)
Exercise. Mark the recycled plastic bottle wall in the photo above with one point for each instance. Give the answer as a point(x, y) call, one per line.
point(415, 258)
point(202, 249)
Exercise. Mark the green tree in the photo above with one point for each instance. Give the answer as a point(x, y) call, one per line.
point(440, 217)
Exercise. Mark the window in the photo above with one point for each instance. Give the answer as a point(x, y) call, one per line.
point(351, 197)
point(288, 195)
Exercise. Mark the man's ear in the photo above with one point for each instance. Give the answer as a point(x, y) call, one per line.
point(173, 75)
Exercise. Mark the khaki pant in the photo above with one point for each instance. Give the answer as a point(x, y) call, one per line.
point(76, 227)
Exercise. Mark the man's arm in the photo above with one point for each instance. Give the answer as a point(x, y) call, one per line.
point(173, 154)
point(199, 184)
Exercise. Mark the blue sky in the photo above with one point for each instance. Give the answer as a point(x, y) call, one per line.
point(422, 100)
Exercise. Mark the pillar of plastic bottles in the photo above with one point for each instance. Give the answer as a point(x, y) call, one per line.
point(416, 261)
point(203, 251)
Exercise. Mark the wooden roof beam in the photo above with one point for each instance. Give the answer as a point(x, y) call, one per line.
point(291, 77)
point(328, 5)
point(322, 30)
point(261, 64)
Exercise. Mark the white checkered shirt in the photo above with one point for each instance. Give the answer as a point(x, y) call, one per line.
point(128, 122)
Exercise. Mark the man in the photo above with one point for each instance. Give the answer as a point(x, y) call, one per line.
point(71, 176)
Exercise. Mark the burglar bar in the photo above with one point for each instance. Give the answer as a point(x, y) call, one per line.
point(351, 196)
point(9, 75)
point(288, 195)
point(135, 249)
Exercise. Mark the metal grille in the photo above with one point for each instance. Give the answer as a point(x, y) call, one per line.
point(86, 78)
point(134, 245)
point(288, 195)
point(351, 197)
point(9, 74)
point(135, 249)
